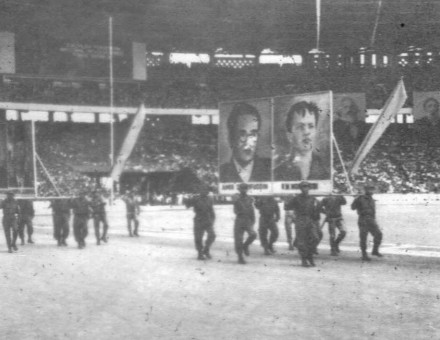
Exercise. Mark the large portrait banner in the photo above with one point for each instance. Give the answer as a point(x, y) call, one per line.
point(426, 113)
point(426, 105)
point(16, 158)
point(245, 140)
point(302, 133)
point(349, 107)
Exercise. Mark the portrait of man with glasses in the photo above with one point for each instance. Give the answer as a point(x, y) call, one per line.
point(243, 127)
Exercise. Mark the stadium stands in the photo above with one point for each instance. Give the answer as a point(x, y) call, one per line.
point(398, 165)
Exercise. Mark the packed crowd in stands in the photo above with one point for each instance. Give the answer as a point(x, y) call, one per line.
point(70, 151)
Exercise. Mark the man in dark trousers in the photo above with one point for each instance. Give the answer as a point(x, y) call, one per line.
point(133, 211)
point(244, 222)
point(81, 213)
point(203, 221)
point(11, 213)
point(27, 214)
point(99, 216)
point(366, 209)
point(331, 207)
point(61, 218)
point(306, 209)
point(269, 216)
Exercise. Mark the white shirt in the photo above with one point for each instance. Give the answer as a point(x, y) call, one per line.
point(244, 172)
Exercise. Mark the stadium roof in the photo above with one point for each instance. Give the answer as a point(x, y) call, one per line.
point(245, 26)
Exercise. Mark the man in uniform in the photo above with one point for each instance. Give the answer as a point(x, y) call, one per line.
point(306, 209)
point(99, 215)
point(133, 211)
point(61, 217)
point(269, 216)
point(203, 221)
point(27, 214)
point(244, 222)
point(366, 209)
point(81, 213)
point(11, 212)
point(331, 207)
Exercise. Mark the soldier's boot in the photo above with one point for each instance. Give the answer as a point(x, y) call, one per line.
point(311, 262)
point(59, 243)
point(241, 259)
point(246, 249)
point(333, 251)
point(136, 227)
point(104, 236)
point(267, 251)
point(375, 251)
point(206, 253)
point(339, 239)
point(98, 241)
point(271, 249)
point(14, 241)
point(291, 247)
point(365, 256)
point(129, 231)
point(22, 241)
point(8, 239)
point(30, 240)
point(200, 256)
point(304, 262)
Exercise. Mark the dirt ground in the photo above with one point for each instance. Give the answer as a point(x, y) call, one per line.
point(152, 287)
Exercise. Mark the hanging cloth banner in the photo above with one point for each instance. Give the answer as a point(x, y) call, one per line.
point(129, 143)
point(389, 111)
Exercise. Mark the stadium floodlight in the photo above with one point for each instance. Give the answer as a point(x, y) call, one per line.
point(316, 51)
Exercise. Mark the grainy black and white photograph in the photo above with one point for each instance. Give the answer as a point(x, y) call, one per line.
point(219, 169)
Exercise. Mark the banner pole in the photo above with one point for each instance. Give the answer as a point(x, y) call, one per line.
point(112, 146)
point(47, 174)
point(335, 143)
point(34, 159)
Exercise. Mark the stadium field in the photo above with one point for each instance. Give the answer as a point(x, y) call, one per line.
point(152, 287)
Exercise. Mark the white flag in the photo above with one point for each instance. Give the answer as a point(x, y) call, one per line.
point(389, 111)
point(129, 143)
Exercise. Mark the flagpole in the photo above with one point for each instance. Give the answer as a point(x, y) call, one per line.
point(318, 23)
point(376, 23)
point(112, 146)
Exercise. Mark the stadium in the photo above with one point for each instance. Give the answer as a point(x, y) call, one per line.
point(134, 98)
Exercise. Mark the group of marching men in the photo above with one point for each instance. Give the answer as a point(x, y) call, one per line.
point(303, 210)
point(18, 214)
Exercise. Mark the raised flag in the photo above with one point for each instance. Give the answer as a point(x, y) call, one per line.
point(129, 143)
point(389, 111)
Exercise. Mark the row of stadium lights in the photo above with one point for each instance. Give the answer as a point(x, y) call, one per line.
point(364, 58)
point(404, 116)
